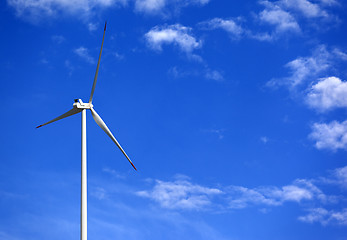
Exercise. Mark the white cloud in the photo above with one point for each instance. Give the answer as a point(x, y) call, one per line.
point(92, 26)
point(327, 94)
point(241, 197)
point(228, 25)
point(290, 16)
point(329, 2)
point(199, 72)
point(149, 6)
point(214, 75)
point(264, 139)
point(159, 6)
point(338, 177)
point(282, 20)
point(305, 7)
point(301, 189)
point(35, 10)
point(331, 136)
point(304, 69)
point(84, 53)
point(180, 194)
point(293, 193)
point(325, 217)
point(118, 55)
point(341, 176)
point(99, 193)
point(302, 8)
point(114, 173)
point(262, 36)
point(340, 54)
point(174, 34)
point(315, 215)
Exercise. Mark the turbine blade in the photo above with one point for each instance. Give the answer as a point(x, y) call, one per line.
point(97, 67)
point(103, 126)
point(67, 114)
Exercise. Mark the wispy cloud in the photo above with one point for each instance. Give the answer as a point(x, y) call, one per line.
point(331, 136)
point(217, 132)
point(99, 193)
point(300, 190)
point(329, 93)
point(264, 139)
point(69, 67)
point(180, 194)
point(307, 77)
point(281, 19)
point(306, 8)
point(304, 69)
point(183, 194)
point(162, 7)
point(340, 175)
point(290, 17)
point(310, 68)
point(176, 34)
point(303, 8)
point(204, 72)
point(150, 6)
point(84, 53)
point(329, 2)
point(35, 10)
point(229, 25)
point(92, 26)
point(337, 177)
point(113, 172)
point(214, 75)
point(325, 216)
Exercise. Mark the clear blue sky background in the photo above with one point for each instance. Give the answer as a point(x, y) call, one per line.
point(234, 113)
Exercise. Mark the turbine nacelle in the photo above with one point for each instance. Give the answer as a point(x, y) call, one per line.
point(79, 104)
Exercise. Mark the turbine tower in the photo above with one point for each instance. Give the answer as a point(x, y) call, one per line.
point(78, 107)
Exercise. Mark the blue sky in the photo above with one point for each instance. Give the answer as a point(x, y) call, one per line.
point(233, 112)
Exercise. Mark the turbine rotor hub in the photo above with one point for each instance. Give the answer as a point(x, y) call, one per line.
point(81, 105)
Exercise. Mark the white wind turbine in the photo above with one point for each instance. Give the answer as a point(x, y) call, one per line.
point(78, 107)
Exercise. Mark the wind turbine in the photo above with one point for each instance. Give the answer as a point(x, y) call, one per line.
point(78, 107)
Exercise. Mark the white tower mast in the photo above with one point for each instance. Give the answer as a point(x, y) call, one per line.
point(78, 107)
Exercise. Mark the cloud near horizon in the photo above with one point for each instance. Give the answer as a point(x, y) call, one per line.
point(181, 194)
